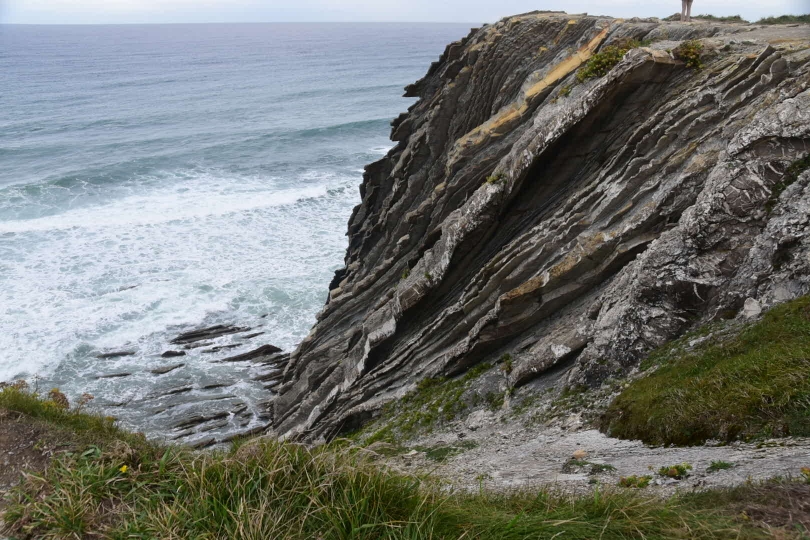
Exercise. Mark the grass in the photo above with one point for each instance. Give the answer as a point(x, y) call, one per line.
point(754, 384)
point(728, 19)
point(434, 401)
point(719, 466)
point(266, 489)
point(93, 427)
point(785, 19)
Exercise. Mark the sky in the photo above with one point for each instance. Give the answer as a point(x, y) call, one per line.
point(472, 11)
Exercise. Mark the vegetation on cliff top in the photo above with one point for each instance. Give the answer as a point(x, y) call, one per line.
point(606, 59)
point(754, 384)
point(116, 485)
point(785, 19)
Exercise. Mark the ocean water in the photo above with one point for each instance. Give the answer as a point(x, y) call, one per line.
point(157, 179)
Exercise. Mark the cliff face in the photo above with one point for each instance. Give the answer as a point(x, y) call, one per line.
point(572, 226)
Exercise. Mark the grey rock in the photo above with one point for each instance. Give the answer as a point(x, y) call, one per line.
point(115, 354)
point(619, 212)
point(207, 333)
point(751, 309)
point(165, 369)
point(265, 352)
point(114, 375)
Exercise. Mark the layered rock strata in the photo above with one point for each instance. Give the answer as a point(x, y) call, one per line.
point(572, 225)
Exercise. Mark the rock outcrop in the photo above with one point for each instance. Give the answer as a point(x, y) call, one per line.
point(572, 225)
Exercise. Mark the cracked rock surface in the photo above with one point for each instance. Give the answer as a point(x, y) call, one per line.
point(574, 226)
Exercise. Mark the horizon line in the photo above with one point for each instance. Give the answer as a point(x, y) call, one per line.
point(232, 22)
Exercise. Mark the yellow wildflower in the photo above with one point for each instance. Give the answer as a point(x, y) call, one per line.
point(124, 468)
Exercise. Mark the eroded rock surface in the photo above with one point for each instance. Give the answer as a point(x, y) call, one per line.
point(571, 225)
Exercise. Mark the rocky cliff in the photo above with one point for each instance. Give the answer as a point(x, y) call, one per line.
point(571, 224)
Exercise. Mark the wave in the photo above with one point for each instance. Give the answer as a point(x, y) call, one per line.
point(184, 198)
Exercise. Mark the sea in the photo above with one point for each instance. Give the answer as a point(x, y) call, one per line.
point(156, 179)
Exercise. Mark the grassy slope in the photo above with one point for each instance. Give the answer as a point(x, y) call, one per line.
point(120, 486)
point(753, 384)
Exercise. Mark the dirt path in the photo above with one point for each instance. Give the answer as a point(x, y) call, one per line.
point(513, 456)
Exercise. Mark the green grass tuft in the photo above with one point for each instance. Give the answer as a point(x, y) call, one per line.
point(719, 466)
point(678, 472)
point(638, 482)
point(753, 384)
point(785, 19)
point(435, 401)
point(727, 19)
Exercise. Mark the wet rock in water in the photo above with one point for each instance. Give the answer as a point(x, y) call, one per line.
point(165, 369)
point(199, 345)
point(251, 336)
point(274, 374)
point(175, 391)
point(182, 435)
point(172, 354)
point(214, 386)
point(203, 443)
point(263, 351)
point(198, 419)
point(221, 348)
point(208, 333)
point(115, 354)
point(113, 375)
point(215, 425)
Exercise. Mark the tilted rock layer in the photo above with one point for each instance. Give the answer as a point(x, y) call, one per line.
point(573, 226)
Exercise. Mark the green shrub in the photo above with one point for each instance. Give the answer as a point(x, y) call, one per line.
point(689, 53)
point(635, 481)
point(719, 466)
point(506, 363)
point(755, 383)
point(785, 19)
point(494, 178)
point(606, 59)
point(728, 19)
point(678, 472)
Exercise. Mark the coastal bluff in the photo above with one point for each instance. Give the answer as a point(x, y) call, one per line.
point(567, 222)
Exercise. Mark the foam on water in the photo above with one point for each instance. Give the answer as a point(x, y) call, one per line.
point(159, 178)
point(111, 275)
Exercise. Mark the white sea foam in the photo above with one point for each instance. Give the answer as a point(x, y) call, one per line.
point(117, 275)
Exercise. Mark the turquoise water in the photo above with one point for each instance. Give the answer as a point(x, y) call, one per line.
point(154, 179)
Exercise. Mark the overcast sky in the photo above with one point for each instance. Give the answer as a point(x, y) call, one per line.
point(473, 11)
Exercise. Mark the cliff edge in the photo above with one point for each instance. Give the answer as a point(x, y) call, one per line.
point(571, 222)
